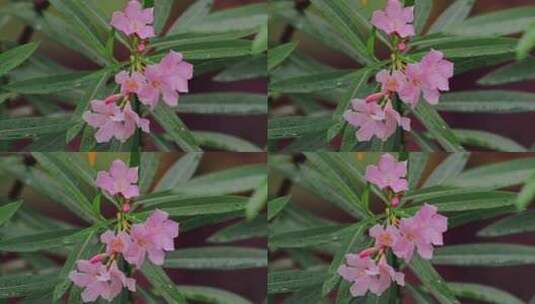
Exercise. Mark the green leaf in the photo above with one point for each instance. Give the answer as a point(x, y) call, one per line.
point(40, 241)
point(82, 250)
point(514, 72)
point(179, 40)
point(224, 142)
point(13, 286)
point(434, 123)
point(257, 200)
point(211, 50)
point(8, 210)
point(316, 82)
point(260, 42)
point(292, 280)
point(472, 201)
point(503, 22)
point(243, 17)
point(16, 56)
point(148, 167)
point(489, 101)
point(494, 176)
point(278, 54)
point(275, 206)
point(223, 103)
point(211, 295)
point(344, 20)
point(422, 11)
point(486, 254)
point(176, 205)
point(180, 172)
point(527, 194)
point(487, 140)
point(452, 166)
point(162, 10)
point(483, 293)
point(193, 15)
point(296, 126)
point(526, 43)
point(417, 164)
point(309, 237)
point(514, 224)
point(241, 231)
point(358, 80)
point(32, 127)
point(432, 280)
point(418, 295)
point(456, 12)
point(221, 258)
point(162, 283)
point(175, 128)
point(354, 241)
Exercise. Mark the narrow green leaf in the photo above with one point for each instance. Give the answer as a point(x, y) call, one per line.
point(437, 127)
point(309, 237)
point(175, 128)
point(260, 42)
point(224, 142)
point(358, 80)
point(195, 206)
point(223, 103)
point(422, 11)
point(8, 210)
point(452, 166)
point(489, 101)
point(296, 126)
point(162, 283)
point(211, 295)
point(13, 58)
point(257, 200)
point(180, 172)
point(431, 279)
point(40, 241)
point(32, 127)
point(210, 50)
point(221, 258)
point(148, 167)
point(278, 54)
point(514, 224)
point(526, 43)
point(13, 286)
point(487, 140)
point(316, 82)
point(469, 202)
point(527, 194)
point(162, 10)
point(241, 231)
point(486, 254)
point(502, 22)
point(456, 12)
point(514, 72)
point(243, 17)
point(275, 206)
point(417, 164)
point(193, 15)
point(292, 280)
point(483, 293)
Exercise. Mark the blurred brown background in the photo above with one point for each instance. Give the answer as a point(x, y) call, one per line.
point(517, 280)
point(249, 283)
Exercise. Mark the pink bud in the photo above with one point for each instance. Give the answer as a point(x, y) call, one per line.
point(141, 47)
point(96, 259)
point(126, 207)
point(112, 98)
point(402, 46)
point(367, 252)
point(374, 97)
point(395, 201)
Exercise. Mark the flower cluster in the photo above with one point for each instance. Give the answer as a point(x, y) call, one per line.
point(369, 270)
point(375, 115)
point(114, 117)
point(100, 275)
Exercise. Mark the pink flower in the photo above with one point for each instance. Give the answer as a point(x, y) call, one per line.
point(115, 243)
point(384, 237)
point(167, 78)
point(395, 19)
point(120, 180)
point(112, 121)
point(429, 76)
point(152, 237)
point(366, 275)
point(372, 120)
point(100, 281)
point(388, 173)
point(390, 82)
point(421, 232)
point(130, 83)
point(134, 20)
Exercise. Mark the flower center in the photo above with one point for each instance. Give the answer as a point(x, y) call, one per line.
point(386, 239)
point(117, 245)
point(131, 85)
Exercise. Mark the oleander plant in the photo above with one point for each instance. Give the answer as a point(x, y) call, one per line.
point(128, 216)
point(392, 96)
point(391, 231)
point(140, 87)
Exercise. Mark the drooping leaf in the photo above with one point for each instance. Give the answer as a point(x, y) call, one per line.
point(296, 126)
point(309, 237)
point(275, 206)
point(8, 210)
point(12, 286)
point(193, 15)
point(278, 54)
point(489, 101)
point(40, 241)
point(12, 58)
point(211, 295)
point(437, 127)
point(32, 127)
point(175, 128)
point(224, 142)
point(223, 104)
point(180, 172)
point(241, 231)
point(422, 11)
point(257, 200)
point(487, 140)
point(526, 43)
point(432, 280)
point(162, 10)
point(176, 205)
point(514, 72)
point(416, 166)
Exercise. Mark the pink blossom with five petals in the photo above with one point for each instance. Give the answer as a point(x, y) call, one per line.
point(135, 20)
point(388, 173)
point(395, 19)
point(119, 180)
